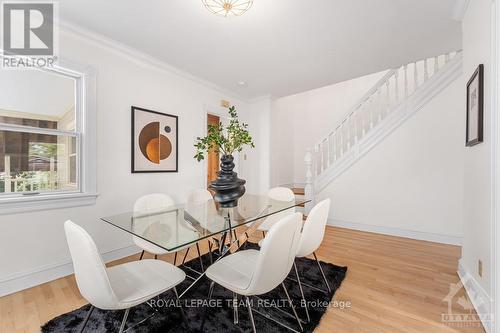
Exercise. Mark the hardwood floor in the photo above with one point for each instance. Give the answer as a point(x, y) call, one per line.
point(394, 285)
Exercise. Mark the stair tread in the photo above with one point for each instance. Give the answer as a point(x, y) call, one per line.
point(298, 190)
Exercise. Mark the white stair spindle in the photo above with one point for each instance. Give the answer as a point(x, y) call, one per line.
point(380, 105)
point(447, 58)
point(308, 189)
point(318, 158)
point(369, 105)
point(322, 152)
point(415, 76)
point(341, 130)
point(388, 91)
point(362, 114)
point(348, 132)
point(334, 153)
point(355, 122)
point(426, 70)
point(396, 83)
point(406, 79)
point(315, 160)
point(330, 149)
point(436, 65)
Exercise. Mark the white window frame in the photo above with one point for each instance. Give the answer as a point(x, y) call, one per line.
point(85, 132)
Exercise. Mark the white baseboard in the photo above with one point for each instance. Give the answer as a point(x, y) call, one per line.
point(419, 235)
point(479, 297)
point(43, 274)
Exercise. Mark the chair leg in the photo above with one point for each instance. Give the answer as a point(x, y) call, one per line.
point(302, 292)
point(236, 237)
point(247, 240)
point(263, 234)
point(156, 256)
point(199, 256)
point(142, 255)
point(210, 291)
point(235, 309)
point(322, 273)
point(250, 314)
point(124, 320)
point(185, 255)
point(87, 317)
point(293, 307)
point(175, 259)
point(210, 251)
point(184, 319)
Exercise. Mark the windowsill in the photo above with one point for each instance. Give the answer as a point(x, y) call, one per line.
point(16, 205)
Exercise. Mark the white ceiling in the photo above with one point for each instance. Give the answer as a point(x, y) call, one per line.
point(278, 47)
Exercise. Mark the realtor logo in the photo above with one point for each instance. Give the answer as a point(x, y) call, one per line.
point(28, 34)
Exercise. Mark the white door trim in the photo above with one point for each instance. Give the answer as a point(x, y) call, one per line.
point(495, 164)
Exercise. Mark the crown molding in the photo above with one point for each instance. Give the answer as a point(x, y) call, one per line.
point(459, 9)
point(141, 58)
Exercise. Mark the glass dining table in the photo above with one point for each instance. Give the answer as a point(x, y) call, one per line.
point(179, 226)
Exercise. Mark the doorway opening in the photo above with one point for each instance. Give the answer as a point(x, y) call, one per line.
point(213, 155)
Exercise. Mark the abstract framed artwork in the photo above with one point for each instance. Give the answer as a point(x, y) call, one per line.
point(154, 141)
point(475, 96)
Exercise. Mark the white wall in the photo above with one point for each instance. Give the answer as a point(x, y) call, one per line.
point(412, 181)
point(35, 242)
point(303, 119)
point(282, 140)
point(259, 113)
point(477, 180)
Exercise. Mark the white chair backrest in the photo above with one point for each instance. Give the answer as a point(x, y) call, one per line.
point(281, 194)
point(90, 271)
point(198, 196)
point(150, 204)
point(276, 254)
point(153, 202)
point(314, 229)
point(201, 206)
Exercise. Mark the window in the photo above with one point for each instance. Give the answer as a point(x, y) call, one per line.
point(43, 154)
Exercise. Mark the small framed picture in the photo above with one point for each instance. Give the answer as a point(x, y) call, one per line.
point(154, 141)
point(474, 124)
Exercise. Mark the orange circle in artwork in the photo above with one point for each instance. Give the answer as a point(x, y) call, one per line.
point(158, 149)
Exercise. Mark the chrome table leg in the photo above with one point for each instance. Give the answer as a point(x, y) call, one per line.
point(322, 273)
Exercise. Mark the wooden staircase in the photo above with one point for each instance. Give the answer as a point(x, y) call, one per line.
point(396, 97)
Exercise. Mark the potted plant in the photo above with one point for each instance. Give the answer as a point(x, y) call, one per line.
point(226, 140)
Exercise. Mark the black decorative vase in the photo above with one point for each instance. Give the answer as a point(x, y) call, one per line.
point(228, 187)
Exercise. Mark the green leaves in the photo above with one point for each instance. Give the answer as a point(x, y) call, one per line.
point(226, 140)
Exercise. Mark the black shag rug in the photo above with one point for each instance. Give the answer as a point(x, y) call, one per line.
point(165, 315)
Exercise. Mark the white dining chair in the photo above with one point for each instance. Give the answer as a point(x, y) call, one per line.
point(277, 194)
point(157, 202)
point(119, 287)
point(311, 238)
point(252, 273)
point(200, 197)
